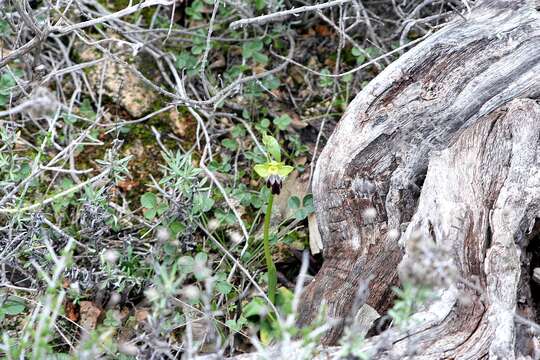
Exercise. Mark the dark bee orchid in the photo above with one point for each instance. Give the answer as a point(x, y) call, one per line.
point(274, 183)
point(273, 172)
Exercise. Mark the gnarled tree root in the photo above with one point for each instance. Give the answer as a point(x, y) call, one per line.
point(443, 143)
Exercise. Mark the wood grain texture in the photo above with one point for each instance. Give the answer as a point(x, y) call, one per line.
point(479, 203)
point(448, 100)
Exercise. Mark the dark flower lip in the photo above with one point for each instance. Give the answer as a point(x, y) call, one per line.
point(274, 182)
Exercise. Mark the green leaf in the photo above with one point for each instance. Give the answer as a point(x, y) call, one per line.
point(197, 50)
point(230, 144)
point(282, 122)
point(149, 200)
point(347, 78)
point(5, 29)
point(195, 10)
point(250, 48)
point(186, 264)
point(12, 306)
point(202, 203)
point(359, 61)
point(294, 202)
point(86, 110)
point(301, 214)
point(260, 4)
point(201, 258)
point(223, 287)
point(7, 82)
point(176, 227)
point(359, 54)
point(238, 131)
point(149, 213)
point(325, 81)
point(225, 217)
point(188, 62)
point(373, 52)
point(260, 58)
point(266, 334)
point(236, 325)
point(308, 200)
point(284, 299)
point(271, 82)
point(256, 307)
point(272, 146)
point(111, 319)
point(242, 195)
point(233, 325)
point(263, 125)
point(356, 51)
point(70, 120)
point(161, 208)
point(60, 356)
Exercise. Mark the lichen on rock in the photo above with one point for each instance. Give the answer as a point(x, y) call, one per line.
point(118, 81)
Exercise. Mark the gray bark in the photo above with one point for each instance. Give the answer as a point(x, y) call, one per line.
point(460, 111)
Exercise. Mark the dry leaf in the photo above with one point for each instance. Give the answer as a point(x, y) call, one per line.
point(127, 185)
point(323, 30)
point(71, 311)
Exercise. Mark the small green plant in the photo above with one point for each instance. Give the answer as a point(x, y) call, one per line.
point(34, 342)
point(152, 205)
point(325, 80)
point(409, 298)
point(273, 171)
point(7, 83)
point(282, 122)
point(258, 312)
point(195, 11)
point(359, 55)
point(11, 306)
point(301, 210)
point(188, 62)
point(253, 49)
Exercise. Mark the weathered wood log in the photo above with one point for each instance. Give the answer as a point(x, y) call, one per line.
point(479, 204)
point(460, 102)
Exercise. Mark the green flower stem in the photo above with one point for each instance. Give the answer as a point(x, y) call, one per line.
point(272, 276)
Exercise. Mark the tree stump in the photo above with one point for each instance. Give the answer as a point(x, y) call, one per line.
point(444, 146)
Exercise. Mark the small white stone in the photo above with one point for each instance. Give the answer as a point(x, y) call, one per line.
point(213, 225)
point(191, 292)
point(111, 256)
point(236, 237)
point(162, 234)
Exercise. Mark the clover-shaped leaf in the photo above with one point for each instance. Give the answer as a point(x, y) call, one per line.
point(149, 200)
point(282, 122)
point(152, 207)
point(251, 48)
point(359, 55)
